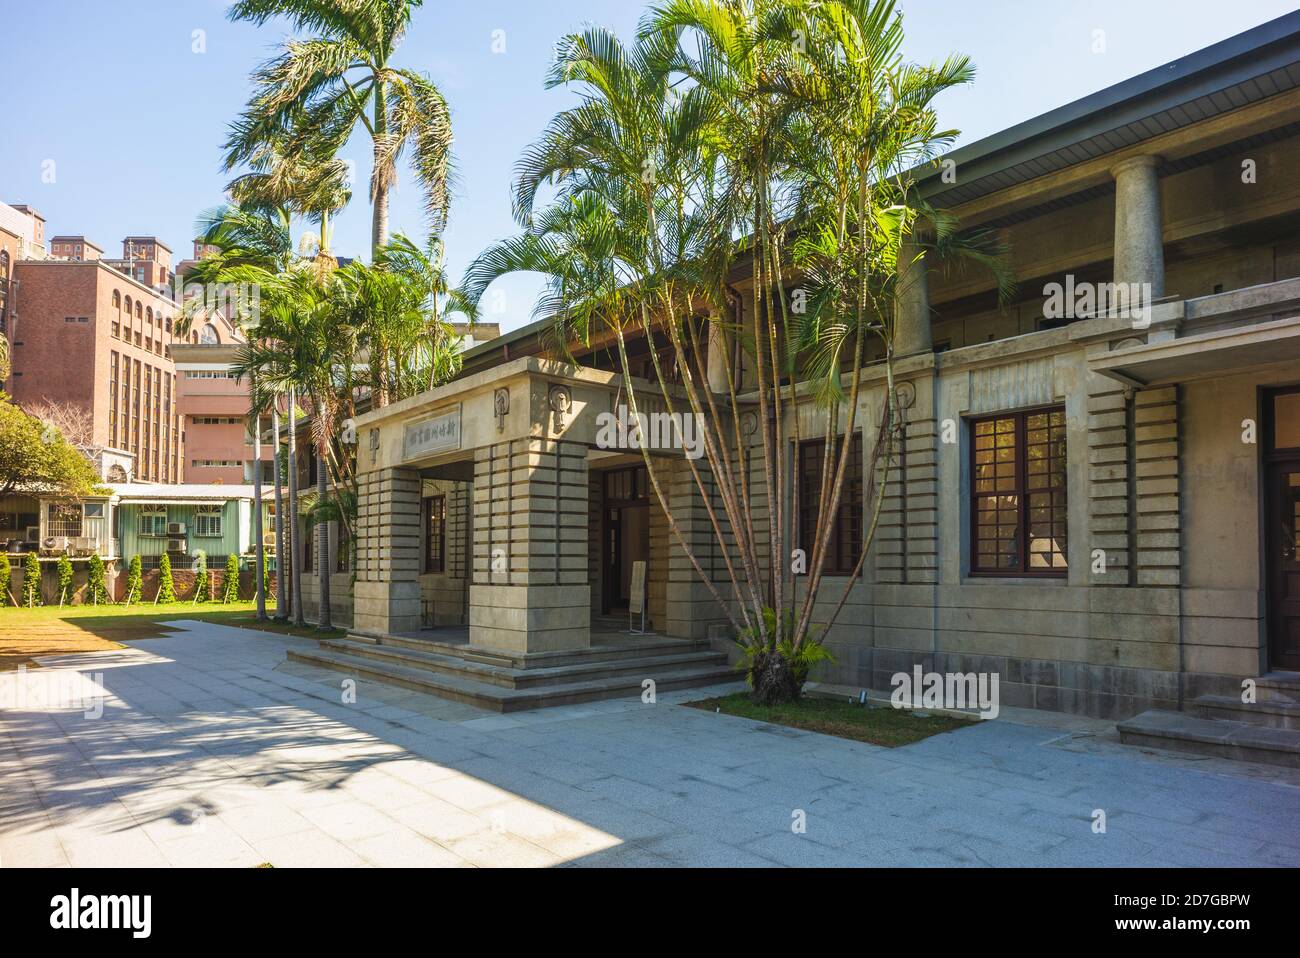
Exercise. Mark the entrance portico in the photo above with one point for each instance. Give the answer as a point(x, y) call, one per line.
point(538, 512)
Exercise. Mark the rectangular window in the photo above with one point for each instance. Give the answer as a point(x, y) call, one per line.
point(1018, 507)
point(64, 520)
point(435, 518)
point(845, 544)
point(153, 522)
point(112, 399)
point(207, 521)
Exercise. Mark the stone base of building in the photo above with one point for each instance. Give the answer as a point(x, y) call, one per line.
point(530, 618)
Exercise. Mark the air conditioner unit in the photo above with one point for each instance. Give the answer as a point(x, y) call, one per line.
point(176, 528)
point(268, 539)
point(175, 545)
point(55, 543)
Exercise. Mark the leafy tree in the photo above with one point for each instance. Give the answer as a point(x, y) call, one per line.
point(6, 577)
point(65, 579)
point(134, 580)
point(200, 576)
point(230, 587)
point(35, 458)
point(31, 580)
point(166, 587)
point(97, 581)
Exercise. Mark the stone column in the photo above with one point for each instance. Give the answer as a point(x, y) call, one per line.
point(1139, 241)
point(911, 302)
point(387, 594)
point(530, 591)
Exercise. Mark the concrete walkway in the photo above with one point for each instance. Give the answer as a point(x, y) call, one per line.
point(211, 751)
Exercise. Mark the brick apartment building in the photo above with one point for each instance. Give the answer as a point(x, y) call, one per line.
point(84, 333)
point(98, 333)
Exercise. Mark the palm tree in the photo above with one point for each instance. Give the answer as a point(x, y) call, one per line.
point(259, 551)
point(281, 592)
point(304, 349)
point(251, 244)
point(295, 566)
point(793, 124)
point(311, 96)
point(311, 184)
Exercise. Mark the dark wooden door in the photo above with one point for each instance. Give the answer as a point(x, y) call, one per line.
point(1282, 526)
point(614, 600)
point(1283, 491)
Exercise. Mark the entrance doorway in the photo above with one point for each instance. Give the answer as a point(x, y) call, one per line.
point(1282, 525)
point(625, 536)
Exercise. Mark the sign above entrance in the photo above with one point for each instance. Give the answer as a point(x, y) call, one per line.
point(440, 433)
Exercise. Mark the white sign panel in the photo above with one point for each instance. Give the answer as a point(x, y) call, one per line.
point(636, 597)
point(440, 433)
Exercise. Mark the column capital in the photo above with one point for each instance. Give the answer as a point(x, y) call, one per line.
point(1142, 162)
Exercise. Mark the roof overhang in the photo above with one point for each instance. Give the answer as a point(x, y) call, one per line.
point(1235, 73)
point(1204, 355)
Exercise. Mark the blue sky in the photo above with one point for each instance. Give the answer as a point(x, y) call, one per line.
point(134, 118)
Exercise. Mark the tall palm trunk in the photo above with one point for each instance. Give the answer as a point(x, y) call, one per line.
point(323, 620)
point(259, 546)
point(379, 216)
point(281, 593)
point(295, 568)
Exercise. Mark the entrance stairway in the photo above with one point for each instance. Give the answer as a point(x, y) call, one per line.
point(614, 666)
point(1266, 731)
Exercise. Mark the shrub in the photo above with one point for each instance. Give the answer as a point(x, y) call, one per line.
point(6, 577)
point(97, 582)
point(31, 580)
point(166, 588)
point(134, 576)
point(200, 576)
point(65, 579)
point(230, 588)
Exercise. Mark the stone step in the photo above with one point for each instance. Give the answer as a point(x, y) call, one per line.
point(587, 669)
point(499, 699)
point(1218, 737)
point(634, 648)
point(1274, 713)
point(1278, 687)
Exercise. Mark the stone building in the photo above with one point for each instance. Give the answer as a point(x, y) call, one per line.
point(1135, 550)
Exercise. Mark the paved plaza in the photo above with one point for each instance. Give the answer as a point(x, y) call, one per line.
point(212, 751)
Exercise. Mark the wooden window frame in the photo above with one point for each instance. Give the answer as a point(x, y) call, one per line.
point(1021, 492)
point(837, 562)
point(435, 564)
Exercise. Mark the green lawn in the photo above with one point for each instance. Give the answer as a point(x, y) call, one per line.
point(874, 724)
point(50, 630)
